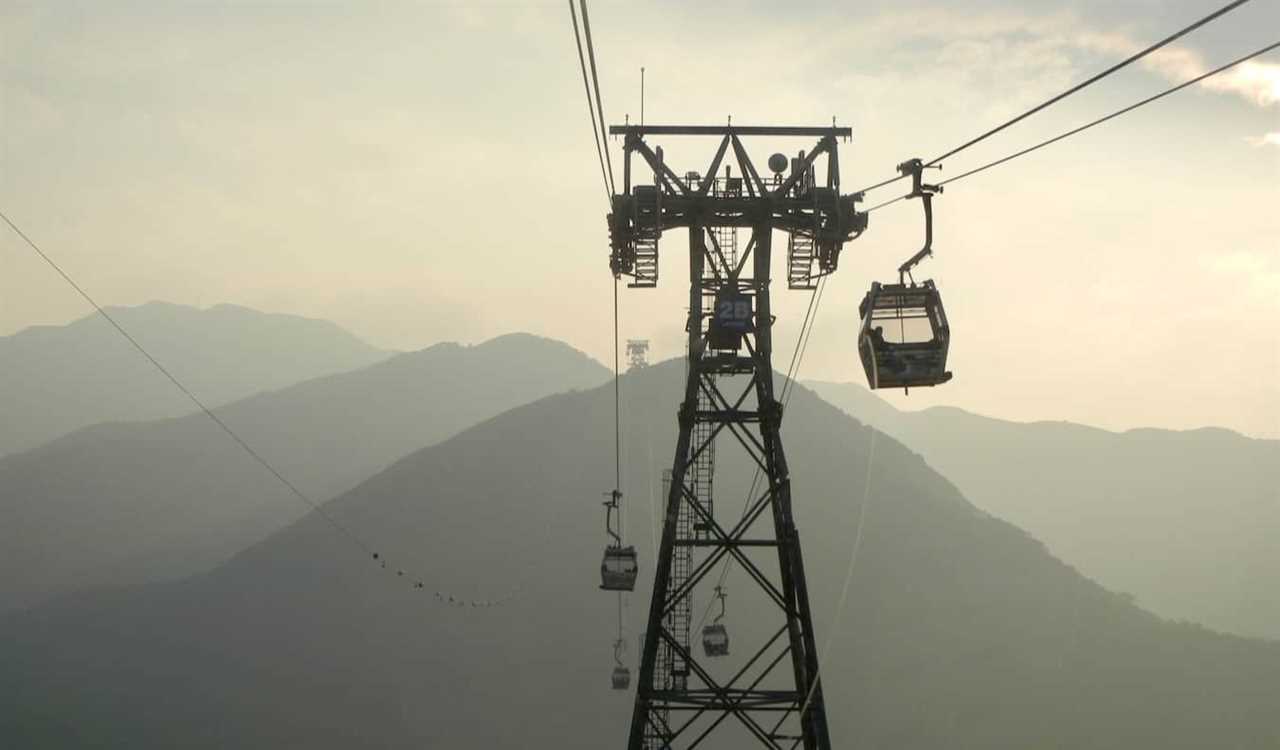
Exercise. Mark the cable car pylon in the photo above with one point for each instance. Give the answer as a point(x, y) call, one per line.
point(729, 396)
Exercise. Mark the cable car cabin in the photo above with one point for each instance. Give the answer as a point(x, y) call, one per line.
point(715, 640)
point(904, 336)
point(621, 678)
point(618, 570)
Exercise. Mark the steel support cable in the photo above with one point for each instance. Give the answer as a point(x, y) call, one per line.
point(889, 202)
point(248, 449)
point(617, 441)
point(848, 576)
point(595, 80)
point(1098, 77)
point(617, 408)
point(1044, 105)
point(1113, 115)
point(586, 87)
point(881, 184)
point(1093, 123)
point(185, 391)
point(789, 386)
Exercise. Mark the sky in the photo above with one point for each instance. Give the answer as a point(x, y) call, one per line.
point(425, 172)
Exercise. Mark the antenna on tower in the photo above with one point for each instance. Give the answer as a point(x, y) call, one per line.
point(642, 96)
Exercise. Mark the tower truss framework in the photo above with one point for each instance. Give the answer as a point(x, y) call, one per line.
point(771, 691)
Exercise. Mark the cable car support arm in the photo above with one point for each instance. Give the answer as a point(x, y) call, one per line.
point(914, 168)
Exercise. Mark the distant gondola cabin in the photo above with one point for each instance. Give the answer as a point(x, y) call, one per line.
point(621, 678)
point(715, 640)
point(618, 569)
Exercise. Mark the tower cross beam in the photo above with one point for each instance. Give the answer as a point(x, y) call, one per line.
point(739, 130)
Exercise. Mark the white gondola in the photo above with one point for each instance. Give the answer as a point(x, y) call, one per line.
point(715, 640)
point(621, 678)
point(618, 569)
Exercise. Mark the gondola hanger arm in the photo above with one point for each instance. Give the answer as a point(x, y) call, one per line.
point(914, 168)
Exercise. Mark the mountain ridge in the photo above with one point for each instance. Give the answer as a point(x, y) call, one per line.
point(1176, 517)
point(164, 498)
point(959, 628)
point(58, 379)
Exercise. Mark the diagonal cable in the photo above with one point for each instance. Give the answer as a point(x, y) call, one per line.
point(1094, 79)
point(316, 507)
point(586, 86)
point(595, 80)
point(1093, 123)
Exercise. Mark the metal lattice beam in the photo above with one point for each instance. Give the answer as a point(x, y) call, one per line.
point(778, 708)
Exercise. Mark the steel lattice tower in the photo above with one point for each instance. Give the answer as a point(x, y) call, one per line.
point(729, 392)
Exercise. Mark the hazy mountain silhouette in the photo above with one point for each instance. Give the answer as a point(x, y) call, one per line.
point(123, 503)
point(959, 629)
point(1185, 521)
point(57, 379)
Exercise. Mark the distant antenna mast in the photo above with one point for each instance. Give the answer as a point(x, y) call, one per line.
point(637, 353)
point(642, 96)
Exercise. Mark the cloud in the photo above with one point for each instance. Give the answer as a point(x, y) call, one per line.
point(1256, 274)
point(1256, 82)
point(1268, 139)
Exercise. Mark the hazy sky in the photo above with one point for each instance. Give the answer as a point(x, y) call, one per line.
point(422, 172)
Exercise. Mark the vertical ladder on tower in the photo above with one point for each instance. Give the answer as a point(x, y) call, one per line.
point(800, 256)
point(646, 265)
point(702, 471)
point(680, 618)
point(645, 243)
point(727, 240)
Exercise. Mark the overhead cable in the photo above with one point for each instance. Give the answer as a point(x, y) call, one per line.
point(596, 129)
point(1113, 115)
point(1049, 102)
point(248, 449)
point(1083, 84)
point(1093, 123)
point(595, 81)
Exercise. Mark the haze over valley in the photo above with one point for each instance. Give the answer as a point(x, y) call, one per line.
point(914, 386)
point(302, 638)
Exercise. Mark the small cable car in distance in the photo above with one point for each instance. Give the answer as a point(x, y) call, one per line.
point(618, 568)
point(904, 335)
point(715, 639)
point(621, 677)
